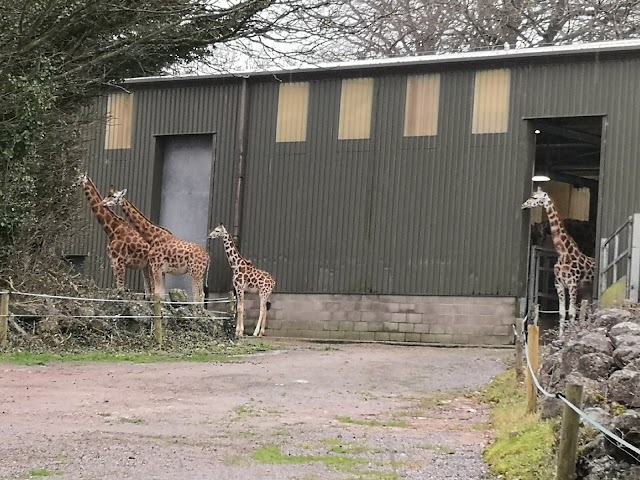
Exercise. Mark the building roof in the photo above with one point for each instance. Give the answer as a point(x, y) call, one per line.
point(433, 59)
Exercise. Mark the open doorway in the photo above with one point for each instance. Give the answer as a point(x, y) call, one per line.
point(567, 167)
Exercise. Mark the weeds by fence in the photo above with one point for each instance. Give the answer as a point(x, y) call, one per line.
point(157, 310)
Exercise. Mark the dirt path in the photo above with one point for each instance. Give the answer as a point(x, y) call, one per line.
point(358, 411)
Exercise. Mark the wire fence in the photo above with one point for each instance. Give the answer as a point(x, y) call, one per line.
point(65, 308)
point(616, 440)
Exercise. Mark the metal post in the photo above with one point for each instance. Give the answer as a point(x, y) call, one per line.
point(4, 317)
point(634, 259)
point(519, 349)
point(604, 255)
point(533, 343)
point(568, 446)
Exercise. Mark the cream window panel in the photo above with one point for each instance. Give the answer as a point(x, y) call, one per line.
point(119, 121)
point(356, 99)
point(491, 101)
point(293, 108)
point(421, 105)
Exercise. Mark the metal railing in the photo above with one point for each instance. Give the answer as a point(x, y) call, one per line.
point(541, 286)
point(620, 258)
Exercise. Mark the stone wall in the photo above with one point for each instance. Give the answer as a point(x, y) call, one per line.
point(426, 319)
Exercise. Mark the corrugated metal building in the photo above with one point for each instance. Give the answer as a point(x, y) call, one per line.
point(390, 189)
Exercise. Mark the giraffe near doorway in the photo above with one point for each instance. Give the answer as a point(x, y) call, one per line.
point(168, 253)
point(246, 278)
point(573, 269)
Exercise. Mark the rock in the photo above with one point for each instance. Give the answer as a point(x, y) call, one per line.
point(609, 317)
point(626, 426)
point(596, 366)
point(624, 387)
point(624, 328)
point(627, 351)
point(178, 295)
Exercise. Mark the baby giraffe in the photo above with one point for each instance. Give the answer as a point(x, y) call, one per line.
point(573, 268)
point(246, 278)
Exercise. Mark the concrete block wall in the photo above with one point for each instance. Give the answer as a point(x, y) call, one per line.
point(425, 319)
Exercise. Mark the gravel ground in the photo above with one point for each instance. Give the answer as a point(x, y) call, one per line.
point(340, 411)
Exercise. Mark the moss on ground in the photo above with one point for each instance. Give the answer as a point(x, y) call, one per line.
point(523, 445)
point(225, 353)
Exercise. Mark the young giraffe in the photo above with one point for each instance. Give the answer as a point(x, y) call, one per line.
point(126, 248)
point(246, 278)
point(168, 254)
point(573, 268)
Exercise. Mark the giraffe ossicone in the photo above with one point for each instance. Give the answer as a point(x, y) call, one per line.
point(573, 269)
point(246, 278)
point(168, 253)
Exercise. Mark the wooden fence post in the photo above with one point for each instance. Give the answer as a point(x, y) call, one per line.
point(4, 317)
point(533, 343)
point(157, 324)
point(569, 434)
point(519, 351)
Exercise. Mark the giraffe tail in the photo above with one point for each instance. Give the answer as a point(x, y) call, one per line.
point(205, 287)
point(268, 305)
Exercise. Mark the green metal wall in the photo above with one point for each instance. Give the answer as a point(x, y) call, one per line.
point(424, 215)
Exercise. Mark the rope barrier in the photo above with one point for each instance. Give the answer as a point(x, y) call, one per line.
point(123, 317)
point(112, 300)
point(621, 443)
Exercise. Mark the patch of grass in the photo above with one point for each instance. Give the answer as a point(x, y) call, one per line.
point(43, 472)
point(224, 353)
point(523, 446)
point(340, 459)
point(375, 423)
point(242, 411)
point(345, 448)
point(438, 449)
point(133, 420)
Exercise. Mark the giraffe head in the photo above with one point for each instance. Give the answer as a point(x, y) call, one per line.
point(218, 232)
point(81, 180)
point(114, 198)
point(538, 199)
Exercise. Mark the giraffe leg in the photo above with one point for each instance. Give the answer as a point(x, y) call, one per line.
point(158, 283)
point(119, 271)
point(240, 313)
point(148, 282)
point(197, 289)
point(561, 305)
point(573, 303)
point(262, 320)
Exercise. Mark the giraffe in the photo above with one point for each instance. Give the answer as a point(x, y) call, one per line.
point(573, 268)
point(246, 278)
point(126, 248)
point(168, 253)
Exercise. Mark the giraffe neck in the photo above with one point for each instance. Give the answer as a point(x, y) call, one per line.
point(233, 255)
point(561, 239)
point(149, 230)
point(107, 219)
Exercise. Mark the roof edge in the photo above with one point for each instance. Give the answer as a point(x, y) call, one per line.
point(433, 59)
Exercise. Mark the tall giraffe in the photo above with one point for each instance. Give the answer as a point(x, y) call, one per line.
point(168, 253)
point(573, 268)
point(246, 278)
point(126, 248)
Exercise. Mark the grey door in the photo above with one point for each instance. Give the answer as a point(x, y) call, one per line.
point(186, 182)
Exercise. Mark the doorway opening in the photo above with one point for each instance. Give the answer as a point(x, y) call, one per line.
point(567, 166)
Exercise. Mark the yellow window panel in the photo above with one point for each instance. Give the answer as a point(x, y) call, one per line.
point(421, 106)
point(491, 101)
point(356, 98)
point(119, 121)
point(293, 107)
